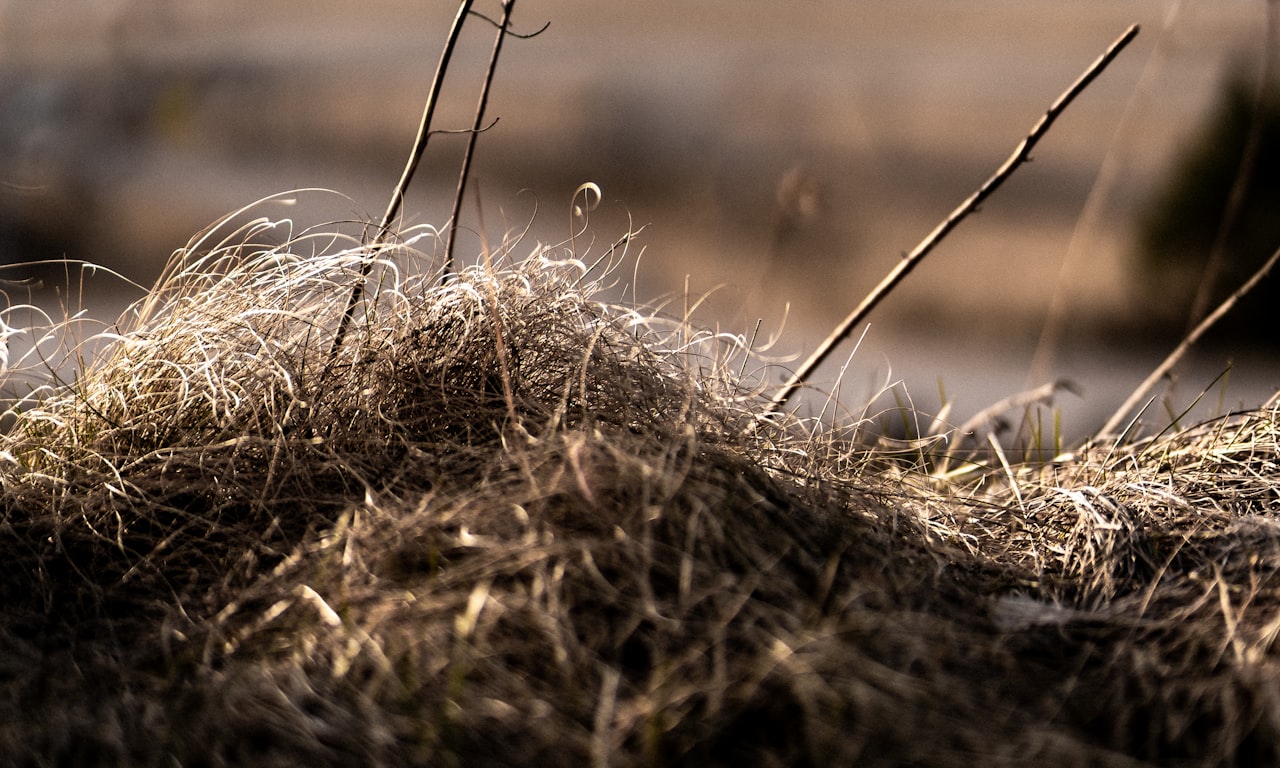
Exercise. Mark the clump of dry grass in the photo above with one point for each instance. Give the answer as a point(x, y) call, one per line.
point(511, 523)
point(1166, 551)
point(311, 503)
point(558, 495)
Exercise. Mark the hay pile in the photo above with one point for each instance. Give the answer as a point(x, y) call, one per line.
point(511, 524)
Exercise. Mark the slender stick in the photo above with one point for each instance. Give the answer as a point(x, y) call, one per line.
point(397, 195)
point(909, 262)
point(507, 6)
point(1191, 338)
point(424, 127)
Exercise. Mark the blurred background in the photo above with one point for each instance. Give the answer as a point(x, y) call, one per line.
point(781, 157)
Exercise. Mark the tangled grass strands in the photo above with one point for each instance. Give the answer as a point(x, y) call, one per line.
point(604, 548)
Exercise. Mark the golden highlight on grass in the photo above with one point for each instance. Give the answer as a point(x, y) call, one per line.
point(308, 503)
point(221, 551)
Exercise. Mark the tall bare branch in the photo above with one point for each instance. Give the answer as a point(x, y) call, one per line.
point(909, 262)
point(397, 195)
point(507, 7)
point(1191, 338)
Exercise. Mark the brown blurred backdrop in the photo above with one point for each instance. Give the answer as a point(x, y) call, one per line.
point(780, 154)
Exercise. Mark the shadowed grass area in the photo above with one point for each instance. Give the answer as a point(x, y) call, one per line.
point(513, 524)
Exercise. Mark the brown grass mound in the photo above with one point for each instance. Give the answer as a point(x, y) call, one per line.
point(510, 524)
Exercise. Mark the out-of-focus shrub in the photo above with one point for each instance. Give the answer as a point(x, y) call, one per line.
point(1178, 230)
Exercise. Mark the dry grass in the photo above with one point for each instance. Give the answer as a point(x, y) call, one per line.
point(512, 524)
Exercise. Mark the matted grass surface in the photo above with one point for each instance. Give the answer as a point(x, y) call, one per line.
point(512, 524)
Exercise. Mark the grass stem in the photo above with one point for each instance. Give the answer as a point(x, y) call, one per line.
point(397, 195)
point(483, 102)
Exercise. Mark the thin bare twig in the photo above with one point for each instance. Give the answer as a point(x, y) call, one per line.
point(507, 6)
point(519, 35)
point(397, 195)
point(1019, 156)
point(1190, 339)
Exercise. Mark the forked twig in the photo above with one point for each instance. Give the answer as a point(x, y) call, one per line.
point(1190, 339)
point(397, 195)
point(507, 6)
point(1019, 156)
point(424, 127)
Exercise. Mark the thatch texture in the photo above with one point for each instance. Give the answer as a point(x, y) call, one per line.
point(510, 524)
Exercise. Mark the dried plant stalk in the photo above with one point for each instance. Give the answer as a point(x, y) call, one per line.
point(911, 260)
